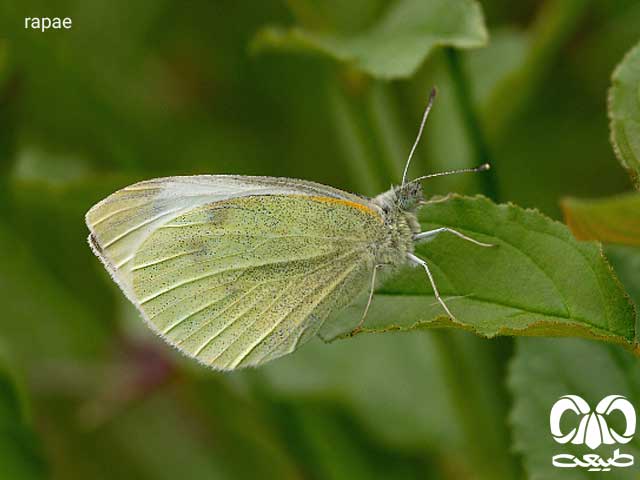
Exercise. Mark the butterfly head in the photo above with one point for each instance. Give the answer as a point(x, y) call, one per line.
point(409, 195)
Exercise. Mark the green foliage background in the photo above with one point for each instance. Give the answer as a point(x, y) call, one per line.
point(328, 91)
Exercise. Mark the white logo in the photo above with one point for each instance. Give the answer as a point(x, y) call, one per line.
point(592, 431)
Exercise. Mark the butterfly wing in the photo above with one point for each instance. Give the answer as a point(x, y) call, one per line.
point(236, 277)
point(122, 221)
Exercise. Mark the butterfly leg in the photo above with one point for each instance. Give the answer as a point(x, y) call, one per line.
point(366, 309)
point(418, 261)
point(433, 233)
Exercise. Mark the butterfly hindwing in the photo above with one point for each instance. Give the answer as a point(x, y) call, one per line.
point(237, 282)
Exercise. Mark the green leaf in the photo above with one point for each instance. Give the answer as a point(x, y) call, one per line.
point(489, 67)
point(335, 448)
point(20, 455)
point(537, 280)
point(377, 379)
point(624, 112)
point(396, 44)
point(546, 369)
point(350, 375)
point(610, 220)
point(626, 262)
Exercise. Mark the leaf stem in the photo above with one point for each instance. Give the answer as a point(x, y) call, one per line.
point(354, 142)
point(479, 397)
point(471, 121)
point(9, 95)
point(393, 146)
point(555, 23)
point(306, 14)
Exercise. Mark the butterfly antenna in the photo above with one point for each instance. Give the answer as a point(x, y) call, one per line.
point(481, 168)
point(432, 97)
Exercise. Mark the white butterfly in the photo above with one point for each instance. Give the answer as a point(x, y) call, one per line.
point(236, 270)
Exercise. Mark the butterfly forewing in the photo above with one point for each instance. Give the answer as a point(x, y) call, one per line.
point(122, 221)
point(236, 279)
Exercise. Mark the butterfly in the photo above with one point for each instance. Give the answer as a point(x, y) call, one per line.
point(236, 271)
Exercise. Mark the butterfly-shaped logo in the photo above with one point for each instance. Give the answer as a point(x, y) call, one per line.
point(592, 429)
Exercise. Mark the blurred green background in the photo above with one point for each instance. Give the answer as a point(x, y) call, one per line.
point(143, 89)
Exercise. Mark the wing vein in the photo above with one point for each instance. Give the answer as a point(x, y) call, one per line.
point(195, 312)
point(208, 322)
point(97, 222)
point(211, 259)
point(240, 233)
point(138, 226)
point(260, 284)
point(271, 304)
point(162, 260)
point(225, 270)
point(325, 294)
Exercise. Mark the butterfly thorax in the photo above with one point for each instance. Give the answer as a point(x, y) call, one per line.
point(398, 207)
